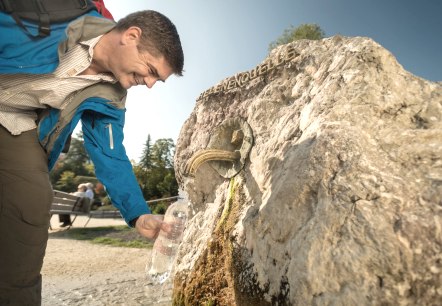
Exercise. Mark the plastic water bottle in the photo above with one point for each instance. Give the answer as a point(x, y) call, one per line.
point(166, 245)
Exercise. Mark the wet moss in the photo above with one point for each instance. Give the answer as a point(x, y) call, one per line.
point(218, 276)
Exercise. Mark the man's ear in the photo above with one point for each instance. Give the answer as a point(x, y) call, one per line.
point(131, 36)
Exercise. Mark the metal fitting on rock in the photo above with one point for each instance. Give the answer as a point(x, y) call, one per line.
point(227, 151)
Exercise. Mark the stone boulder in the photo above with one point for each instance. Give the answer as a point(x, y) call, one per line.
point(314, 179)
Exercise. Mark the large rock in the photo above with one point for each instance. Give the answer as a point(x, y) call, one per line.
point(339, 201)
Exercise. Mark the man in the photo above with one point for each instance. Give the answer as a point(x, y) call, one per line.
point(81, 76)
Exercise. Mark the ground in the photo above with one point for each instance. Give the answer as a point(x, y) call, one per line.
point(81, 273)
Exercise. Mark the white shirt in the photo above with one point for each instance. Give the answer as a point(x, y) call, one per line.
point(22, 94)
point(89, 193)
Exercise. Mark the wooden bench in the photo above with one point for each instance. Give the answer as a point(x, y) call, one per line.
point(115, 213)
point(103, 214)
point(68, 204)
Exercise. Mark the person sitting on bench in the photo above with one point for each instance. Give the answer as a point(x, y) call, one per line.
point(65, 219)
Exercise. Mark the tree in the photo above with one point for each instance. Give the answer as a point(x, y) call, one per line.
point(155, 172)
point(73, 168)
point(146, 155)
point(77, 158)
point(162, 153)
point(304, 31)
point(66, 182)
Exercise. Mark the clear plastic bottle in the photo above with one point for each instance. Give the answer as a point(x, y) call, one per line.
point(166, 245)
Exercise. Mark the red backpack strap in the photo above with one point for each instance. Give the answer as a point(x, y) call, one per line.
point(102, 9)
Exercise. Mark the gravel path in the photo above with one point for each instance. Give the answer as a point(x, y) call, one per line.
point(81, 273)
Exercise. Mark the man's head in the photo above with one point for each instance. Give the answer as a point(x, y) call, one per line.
point(159, 37)
point(148, 50)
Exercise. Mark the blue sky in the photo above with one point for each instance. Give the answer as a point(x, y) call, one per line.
point(222, 38)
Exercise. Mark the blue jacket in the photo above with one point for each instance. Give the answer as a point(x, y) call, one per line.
point(101, 111)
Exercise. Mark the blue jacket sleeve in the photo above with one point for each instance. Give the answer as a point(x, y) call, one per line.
point(103, 140)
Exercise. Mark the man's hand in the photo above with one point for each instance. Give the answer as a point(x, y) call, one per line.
point(149, 225)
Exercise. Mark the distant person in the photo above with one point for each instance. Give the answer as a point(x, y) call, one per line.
point(81, 71)
point(81, 191)
point(65, 219)
point(90, 191)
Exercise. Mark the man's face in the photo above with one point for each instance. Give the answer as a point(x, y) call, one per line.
point(132, 67)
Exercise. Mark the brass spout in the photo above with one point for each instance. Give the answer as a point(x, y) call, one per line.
point(206, 155)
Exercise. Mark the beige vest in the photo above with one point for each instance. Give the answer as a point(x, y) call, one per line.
point(79, 30)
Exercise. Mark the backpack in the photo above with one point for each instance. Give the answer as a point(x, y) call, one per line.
point(47, 12)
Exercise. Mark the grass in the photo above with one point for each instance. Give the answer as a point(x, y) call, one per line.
point(119, 236)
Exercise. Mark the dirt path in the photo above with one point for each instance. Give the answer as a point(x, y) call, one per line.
point(81, 273)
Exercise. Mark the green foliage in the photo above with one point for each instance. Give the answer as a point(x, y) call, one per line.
point(159, 208)
point(106, 201)
point(85, 179)
point(162, 153)
point(75, 161)
point(304, 31)
point(169, 185)
point(66, 182)
point(77, 156)
point(155, 172)
point(146, 156)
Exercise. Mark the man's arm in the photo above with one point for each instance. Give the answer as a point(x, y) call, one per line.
point(103, 140)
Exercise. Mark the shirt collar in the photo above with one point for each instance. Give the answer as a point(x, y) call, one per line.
point(90, 44)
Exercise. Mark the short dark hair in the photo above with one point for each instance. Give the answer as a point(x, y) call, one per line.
point(159, 36)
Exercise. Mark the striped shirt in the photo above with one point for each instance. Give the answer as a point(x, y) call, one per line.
point(22, 94)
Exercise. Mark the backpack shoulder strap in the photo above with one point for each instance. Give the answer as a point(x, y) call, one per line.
point(45, 12)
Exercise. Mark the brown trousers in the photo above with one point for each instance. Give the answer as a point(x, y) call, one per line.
point(25, 199)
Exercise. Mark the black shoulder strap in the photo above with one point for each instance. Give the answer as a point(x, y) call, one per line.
point(45, 12)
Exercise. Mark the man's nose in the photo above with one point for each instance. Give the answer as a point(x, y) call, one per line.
point(150, 81)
